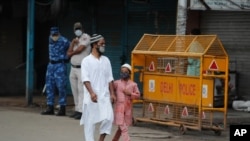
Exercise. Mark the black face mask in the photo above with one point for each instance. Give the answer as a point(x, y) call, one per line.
point(124, 75)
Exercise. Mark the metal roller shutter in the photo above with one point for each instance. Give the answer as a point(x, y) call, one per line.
point(154, 17)
point(109, 20)
point(123, 26)
point(233, 29)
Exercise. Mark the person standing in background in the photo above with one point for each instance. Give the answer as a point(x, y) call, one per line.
point(56, 75)
point(97, 77)
point(79, 48)
point(193, 64)
point(126, 91)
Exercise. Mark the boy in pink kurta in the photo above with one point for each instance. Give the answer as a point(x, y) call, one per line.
point(126, 90)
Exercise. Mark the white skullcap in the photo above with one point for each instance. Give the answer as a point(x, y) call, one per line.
point(126, 66)
point(95, 38)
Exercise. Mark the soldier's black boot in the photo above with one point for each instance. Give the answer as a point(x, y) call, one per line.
point(62, 111)
point(49, 110)
point(78, 115)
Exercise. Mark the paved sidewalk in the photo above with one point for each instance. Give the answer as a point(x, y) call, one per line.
point(233, 116)
point(19, 122)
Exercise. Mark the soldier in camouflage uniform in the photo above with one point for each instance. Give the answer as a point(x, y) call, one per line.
point(56, 75)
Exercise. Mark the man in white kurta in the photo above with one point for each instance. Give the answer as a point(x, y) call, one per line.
point(97, 78)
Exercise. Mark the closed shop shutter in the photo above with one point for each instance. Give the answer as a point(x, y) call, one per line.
point(109, 20)
point(151, 17)
point(158, 16)
point(232, 27)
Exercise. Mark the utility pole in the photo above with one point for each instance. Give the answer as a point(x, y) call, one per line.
point(30, 52)
point(181, 17)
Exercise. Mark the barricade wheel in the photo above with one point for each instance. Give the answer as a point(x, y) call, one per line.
point(182, 129)
point(217, 132)
point(134, 122)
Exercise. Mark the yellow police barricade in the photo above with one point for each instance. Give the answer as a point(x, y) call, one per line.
point(178, 74)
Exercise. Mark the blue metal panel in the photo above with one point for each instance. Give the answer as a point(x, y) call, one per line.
point(160, 5)
point(109, 23)
point(154, 17)
point(123, 28)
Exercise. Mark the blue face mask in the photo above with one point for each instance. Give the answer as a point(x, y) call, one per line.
point(124, 75)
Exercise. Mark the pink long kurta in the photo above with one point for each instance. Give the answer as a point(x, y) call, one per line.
point(123, 105)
